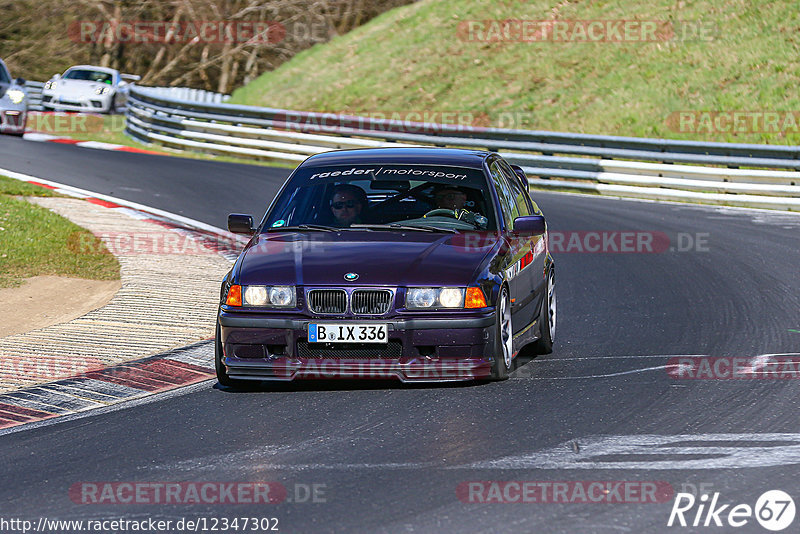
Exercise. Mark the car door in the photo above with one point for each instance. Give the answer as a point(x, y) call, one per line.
point(532, 263)
point(528, 270)
point(515, 250)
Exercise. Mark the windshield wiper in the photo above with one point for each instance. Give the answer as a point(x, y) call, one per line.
point(318, 227)
point(395, 226)
point(424, 228)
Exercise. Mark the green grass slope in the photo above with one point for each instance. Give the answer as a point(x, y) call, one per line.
point(35, 241)
point(422, 58)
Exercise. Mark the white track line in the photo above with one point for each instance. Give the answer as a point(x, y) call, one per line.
point(588, 377)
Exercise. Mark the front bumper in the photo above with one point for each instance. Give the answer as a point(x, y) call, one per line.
point(417, 350)
point(88, 104)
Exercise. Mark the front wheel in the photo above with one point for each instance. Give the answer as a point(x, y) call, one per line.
point(114, 106)
point(547, 317)
point(504, 340)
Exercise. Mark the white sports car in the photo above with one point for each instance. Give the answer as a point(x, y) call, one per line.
point(87, 88)
point(13, 103)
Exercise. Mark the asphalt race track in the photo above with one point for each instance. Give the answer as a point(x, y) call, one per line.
point(164, 182)
point(392, 458)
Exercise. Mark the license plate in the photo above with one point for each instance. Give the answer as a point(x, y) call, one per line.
point(348, 333)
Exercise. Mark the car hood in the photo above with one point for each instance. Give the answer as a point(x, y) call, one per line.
point(77, 87)
point(379, 259)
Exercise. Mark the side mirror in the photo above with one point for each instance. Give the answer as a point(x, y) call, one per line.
point(56, 76)
point(532, 225)
point(20, 81)
point(241, 224)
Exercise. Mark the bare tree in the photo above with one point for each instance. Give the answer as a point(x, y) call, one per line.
point(39, 38)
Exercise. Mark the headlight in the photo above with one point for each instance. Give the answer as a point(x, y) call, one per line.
point(15, 95)
point(255, 295)
point(102, 90)
point(282, 296)
point(420, 297)
point(452, 297)
point(268, 296)
point(435, 297)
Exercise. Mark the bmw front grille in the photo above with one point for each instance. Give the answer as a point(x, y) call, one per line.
point(361, 301)
point(371, 301)
point(327, 300)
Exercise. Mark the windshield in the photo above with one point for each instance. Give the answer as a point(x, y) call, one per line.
point(424, 196)
point(4, 75)
point(90, 75)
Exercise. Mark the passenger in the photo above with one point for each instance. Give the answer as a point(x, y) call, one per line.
point(347, 204)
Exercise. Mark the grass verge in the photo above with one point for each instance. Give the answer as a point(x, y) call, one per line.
point(35, 241)
point(442, 56)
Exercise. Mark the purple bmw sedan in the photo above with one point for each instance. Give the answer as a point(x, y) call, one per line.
point(417, 264)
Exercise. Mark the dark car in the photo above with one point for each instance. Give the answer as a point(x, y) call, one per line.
point(423, 264)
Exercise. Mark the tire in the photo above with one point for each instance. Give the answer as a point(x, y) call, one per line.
point(504, 339)
point(547, 317)
point(113, 106)
point(222, 374)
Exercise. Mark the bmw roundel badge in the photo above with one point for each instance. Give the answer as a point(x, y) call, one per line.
point(351, 277)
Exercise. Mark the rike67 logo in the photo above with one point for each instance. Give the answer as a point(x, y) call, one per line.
point(774, 510)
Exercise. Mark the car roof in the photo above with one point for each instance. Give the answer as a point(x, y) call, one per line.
point(93, 67)
point(456, 157)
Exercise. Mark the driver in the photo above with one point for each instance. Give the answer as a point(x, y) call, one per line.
point(347, 204)
point(450, 197)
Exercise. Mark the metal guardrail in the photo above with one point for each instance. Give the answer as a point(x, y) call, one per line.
point(192, 95)
point(34, 90)
point(551, 159)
